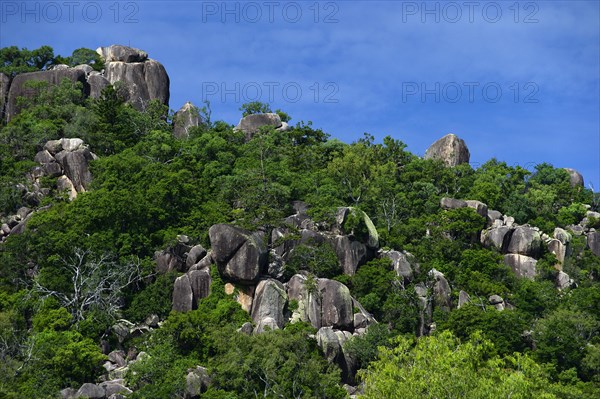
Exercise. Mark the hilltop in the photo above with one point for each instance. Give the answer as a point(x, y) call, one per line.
point(147, 253)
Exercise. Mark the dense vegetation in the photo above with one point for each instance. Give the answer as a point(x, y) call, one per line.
point(149, 187)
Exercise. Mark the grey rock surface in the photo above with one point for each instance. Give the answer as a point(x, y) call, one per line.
point(184, 119)
point(449, 149)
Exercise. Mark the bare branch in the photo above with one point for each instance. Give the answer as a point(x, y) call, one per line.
point(96, 282)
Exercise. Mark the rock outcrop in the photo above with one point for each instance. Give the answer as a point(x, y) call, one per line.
point(174, 257)
point(19, 85)
point(332, 343)
point(479, 207)
point(251, 124)
point(497, 237)
point(197, 381)
point(97, 83)
point(350, 253)
point(449, 149)
point(322, 302)
point(4, 87)
point(142, 81)
point(463, 299)
point(525, 241)
point(442, 294)
point(184, 119)
point(120, 53)
point(182, 294)
point(575, 178)
point(240, 255)
point(354, 222)
point(452, 203)
point(593, 242)
point(521, 265)
point(404, 263)
point(269, 301)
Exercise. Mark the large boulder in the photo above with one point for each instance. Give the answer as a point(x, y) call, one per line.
point(299, 293)
point(200, 282)
point(497, 237)
point(167, 261)
point(44, 157)
point(269, 301)
point(190, 288)
point(250, 124)
point(525, 241)
point(593, 242)
point(183, 296)
point(75, 164)
point(64, 185)
point(404, 263)
point(142, 81)
point(442, 294)
point(335, 304)
point(449, 149)
point(575, 178)
point(322, 302)
point(350, 253)
point(97, 83)
point(332, 344)
point(195, 255)
point(352, 221)
point(452, 203)
point(480, 207)
point(197, 381)
point(91, 391)
point(187, 117)
point(562, 235)
point(558, 249)
point(563, 280)
point(240, 255)
point(174, 256)
point(463, 299)
point(521, 265)
point(114, 388)
point(425, 308)
point(18, 86)
point(4, 87)
point(117, 52)
point(492, 216)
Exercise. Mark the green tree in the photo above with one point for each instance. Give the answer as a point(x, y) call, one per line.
point(561, 338)
point(276, 364)
point(14, 60)
point(255, 107)
point(443, 367)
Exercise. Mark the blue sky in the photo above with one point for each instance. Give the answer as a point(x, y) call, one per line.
point(519, 81)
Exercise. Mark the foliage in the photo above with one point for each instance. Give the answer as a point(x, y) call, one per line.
point(365, 348)
point(155, 298)
point(372, 284)
point(14, 60)
point(443, 367)
point(82, 56)
point(281, 363)
point(482, 272)
point(58, 359)
point(561, 338)
point(317, 258)
point(505, 329)
point(255, 107)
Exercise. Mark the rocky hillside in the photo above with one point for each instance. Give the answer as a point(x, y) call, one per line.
point(147, 253)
